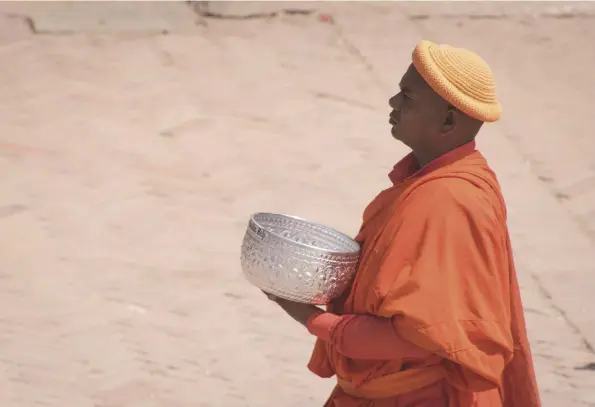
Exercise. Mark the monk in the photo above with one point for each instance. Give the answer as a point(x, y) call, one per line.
point(434, 316)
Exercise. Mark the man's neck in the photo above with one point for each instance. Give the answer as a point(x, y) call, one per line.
point(425, 157)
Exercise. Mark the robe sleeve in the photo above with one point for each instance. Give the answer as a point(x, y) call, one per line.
point(363, 337)
point(444, 270)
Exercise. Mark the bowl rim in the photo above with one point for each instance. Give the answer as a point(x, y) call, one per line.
point(293, 242)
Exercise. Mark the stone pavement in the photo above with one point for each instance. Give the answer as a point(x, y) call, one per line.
point(132, 160)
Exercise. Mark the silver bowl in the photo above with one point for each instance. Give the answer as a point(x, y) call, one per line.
point(298, 260)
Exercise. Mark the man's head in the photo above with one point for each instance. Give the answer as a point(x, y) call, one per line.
point(442, 104)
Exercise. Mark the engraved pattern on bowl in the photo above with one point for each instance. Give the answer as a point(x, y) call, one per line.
point(298, 260)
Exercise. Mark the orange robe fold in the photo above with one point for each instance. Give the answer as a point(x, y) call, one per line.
point(436, 259)
point(363, 337)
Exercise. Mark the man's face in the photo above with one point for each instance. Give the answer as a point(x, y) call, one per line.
point(418, 112)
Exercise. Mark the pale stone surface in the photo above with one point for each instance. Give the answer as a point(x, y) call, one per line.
point(132, 162)
point(70, 17)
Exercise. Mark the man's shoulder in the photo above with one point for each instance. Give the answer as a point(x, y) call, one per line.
point(442, 194)
point(446, 188)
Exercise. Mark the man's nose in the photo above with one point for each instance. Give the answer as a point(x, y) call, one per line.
point(394, 102)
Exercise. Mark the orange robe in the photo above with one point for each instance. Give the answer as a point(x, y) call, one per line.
point(436, 259)
point(363, 337)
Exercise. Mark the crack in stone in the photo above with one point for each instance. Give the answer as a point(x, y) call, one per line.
point(575, 329)
point(27, 20)
point(562, 15)
point(588, 366)
point(201, 8)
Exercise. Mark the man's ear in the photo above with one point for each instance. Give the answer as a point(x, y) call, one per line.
point(450, 121)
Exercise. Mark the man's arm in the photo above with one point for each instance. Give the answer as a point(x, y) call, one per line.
point(354, 336)
point(298, 311)
point(363, 336)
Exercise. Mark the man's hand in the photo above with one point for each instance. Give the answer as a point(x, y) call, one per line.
point(298, 311)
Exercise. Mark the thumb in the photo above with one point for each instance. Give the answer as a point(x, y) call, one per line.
point(270, 296)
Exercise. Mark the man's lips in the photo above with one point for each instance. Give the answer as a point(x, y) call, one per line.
point(392, 120)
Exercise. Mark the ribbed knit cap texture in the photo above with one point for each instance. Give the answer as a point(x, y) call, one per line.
point(459, 76)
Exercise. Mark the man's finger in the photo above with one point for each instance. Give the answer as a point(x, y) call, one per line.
point(270, 296)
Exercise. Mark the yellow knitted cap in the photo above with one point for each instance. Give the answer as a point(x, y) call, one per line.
point(460, 77)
